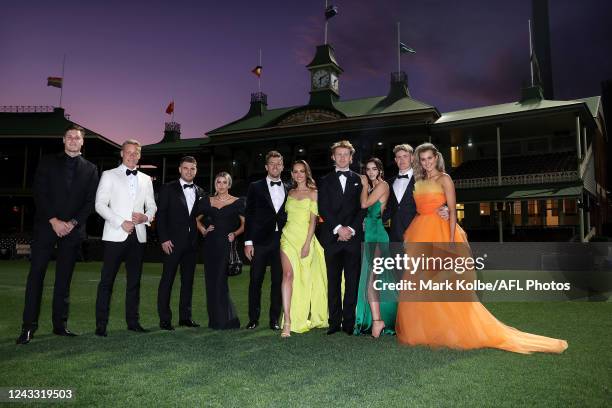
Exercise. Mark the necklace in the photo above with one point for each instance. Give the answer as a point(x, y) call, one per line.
point(218, 198)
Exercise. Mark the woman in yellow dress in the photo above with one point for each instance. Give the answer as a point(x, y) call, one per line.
point(304, 286)
point(460, 325)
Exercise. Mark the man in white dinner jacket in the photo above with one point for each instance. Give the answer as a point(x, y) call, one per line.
point(126, 202)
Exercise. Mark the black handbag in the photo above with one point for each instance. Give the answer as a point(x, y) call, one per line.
point(234, 265)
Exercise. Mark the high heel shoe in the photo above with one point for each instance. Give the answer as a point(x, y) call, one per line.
point(286, 330)
point(377, 332)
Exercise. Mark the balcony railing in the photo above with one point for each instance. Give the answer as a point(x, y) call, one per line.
point(538, 178)
point(26, 109)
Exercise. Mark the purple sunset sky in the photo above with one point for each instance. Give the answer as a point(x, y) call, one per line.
point(127, 59)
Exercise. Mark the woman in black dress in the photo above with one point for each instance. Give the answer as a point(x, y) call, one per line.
point(222, 220)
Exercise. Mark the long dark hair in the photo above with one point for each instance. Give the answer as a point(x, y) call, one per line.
point(379, 166)
point(310, 183)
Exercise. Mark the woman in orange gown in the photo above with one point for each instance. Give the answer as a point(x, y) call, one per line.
point(458, 325)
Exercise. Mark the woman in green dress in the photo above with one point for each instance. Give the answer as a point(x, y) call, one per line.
point(373, 314)
point(304, 286)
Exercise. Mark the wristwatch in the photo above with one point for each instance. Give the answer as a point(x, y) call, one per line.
point(74, 222)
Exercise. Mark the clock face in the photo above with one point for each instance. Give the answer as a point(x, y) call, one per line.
point(334, 82)
point(320, 79)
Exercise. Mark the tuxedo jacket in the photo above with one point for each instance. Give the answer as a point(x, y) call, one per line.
point(261, 219)
point(115, 204)
point(400, 213)
point(174, 221)
point(338, 208)
point(53, 196)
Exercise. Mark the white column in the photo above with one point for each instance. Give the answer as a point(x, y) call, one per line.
point(500, 221)
point(578, 147)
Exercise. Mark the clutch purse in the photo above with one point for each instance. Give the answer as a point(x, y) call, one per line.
point(234, 265)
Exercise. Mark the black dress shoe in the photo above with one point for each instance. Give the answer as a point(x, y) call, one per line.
point(274, 326)
point(166, 326)
point(62, 331)
point(252, 324)
point(348, 330)
point(137, 328)
point(333, 329)
point(101, 331)
point(188, 323)
point(25, 336)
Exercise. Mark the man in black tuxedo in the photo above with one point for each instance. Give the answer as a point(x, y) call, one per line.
point(64, 193)
point(265, 219)
point(176, 225)
point(341, 234)
point(401, 207)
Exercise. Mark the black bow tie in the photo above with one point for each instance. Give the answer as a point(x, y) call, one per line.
point(343, 173)
point(187, 186)
point(275, 183)
point(399, 176)
point(128, 172)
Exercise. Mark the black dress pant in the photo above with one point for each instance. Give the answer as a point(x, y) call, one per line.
point(185, 257)
point(43, 244)
point(131, 251)
point(266, 255)
point(338, 258)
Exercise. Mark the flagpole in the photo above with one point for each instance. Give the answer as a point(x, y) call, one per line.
point(62, 87)
point(399, 69)
point(530, 53)
point(259, 76)
point(325, 41)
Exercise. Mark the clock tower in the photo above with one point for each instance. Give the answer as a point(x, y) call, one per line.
point(324, 74)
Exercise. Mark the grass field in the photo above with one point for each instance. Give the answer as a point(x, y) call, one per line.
point(201, 367)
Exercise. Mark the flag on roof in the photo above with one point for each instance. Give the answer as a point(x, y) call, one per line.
point(170, 108)
point(55, 81)
point(331, 11)
point(404, 49)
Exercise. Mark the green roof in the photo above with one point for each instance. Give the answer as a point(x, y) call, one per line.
point(178, 146)
point(513, 108)
point(593, 102)
point(522, 192)
point(41, 124)
point(353, 108)
point(253, 122)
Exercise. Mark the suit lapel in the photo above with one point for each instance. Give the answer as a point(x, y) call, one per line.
point(337, 185)
point(409, 189)
point(266, 193)
point(393, 196)
point(179, 191)
point(123, 179)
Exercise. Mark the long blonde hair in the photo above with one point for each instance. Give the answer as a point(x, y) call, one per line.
point(419, 171)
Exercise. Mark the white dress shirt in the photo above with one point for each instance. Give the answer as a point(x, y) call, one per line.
point(277, 193)
point(342, 179)
point(132, 181)
point(190, 194)
point(401, 184)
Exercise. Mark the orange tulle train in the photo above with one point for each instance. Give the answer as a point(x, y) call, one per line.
point(458, 325)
